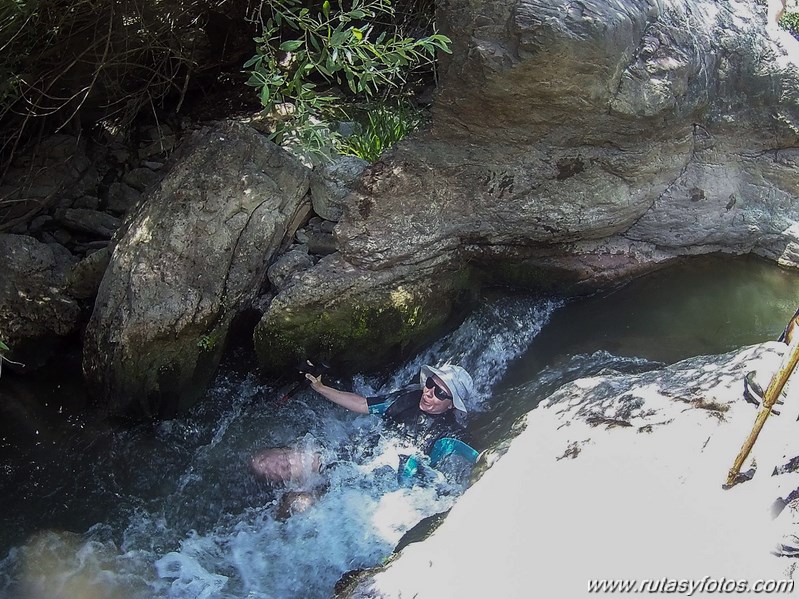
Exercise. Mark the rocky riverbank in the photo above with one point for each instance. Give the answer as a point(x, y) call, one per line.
point(616, 143)
point(620, 477)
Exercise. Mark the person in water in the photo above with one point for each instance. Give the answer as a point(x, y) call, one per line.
point(424, 415)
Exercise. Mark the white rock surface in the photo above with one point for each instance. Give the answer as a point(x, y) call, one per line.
point(636, 502)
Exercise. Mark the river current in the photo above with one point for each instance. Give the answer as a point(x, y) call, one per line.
point(172, 510)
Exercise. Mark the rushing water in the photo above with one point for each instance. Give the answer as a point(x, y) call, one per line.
point(172, 510)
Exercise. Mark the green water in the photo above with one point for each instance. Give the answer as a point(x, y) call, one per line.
point(707, 305)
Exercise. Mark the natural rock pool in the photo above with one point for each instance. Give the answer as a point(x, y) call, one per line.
point(171, 510)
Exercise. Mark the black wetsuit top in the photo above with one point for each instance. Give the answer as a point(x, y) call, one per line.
point(401, 412)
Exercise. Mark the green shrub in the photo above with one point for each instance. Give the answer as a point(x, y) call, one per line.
point(310, 63)
point(386, 124)
point(790, 21)
point(86, 62)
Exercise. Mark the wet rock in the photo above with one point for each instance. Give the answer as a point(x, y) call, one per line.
point(92, 222)
point(286, 266)
point(585, 175)
point(54, 565)
point(35, 314)
point(84, 279)
point(121, 198)
point(356, 318)
point(141, 178)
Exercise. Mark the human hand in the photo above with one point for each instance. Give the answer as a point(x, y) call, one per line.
point(315, 381)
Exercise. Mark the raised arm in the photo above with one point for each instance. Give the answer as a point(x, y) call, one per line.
point(351, 401)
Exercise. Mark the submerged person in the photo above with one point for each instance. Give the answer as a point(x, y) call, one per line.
point(424, 415)
point(298, 468)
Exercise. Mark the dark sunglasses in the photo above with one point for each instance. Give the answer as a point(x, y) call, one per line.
point(439, 392)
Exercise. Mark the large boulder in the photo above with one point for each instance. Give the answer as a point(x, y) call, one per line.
point(358, 319)
point(36, 315)
point(668, 123)
point(586, 141)
point(191, 258)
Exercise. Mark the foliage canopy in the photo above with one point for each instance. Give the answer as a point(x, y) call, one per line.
point(311, 63)
point(64, 66)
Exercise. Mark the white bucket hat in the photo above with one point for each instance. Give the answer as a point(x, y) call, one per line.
point(457, 380)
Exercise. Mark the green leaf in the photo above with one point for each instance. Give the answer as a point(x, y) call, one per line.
point(351, 82)
point(291, 45)
point(326, 9)
point(3, 346)
point(357, 33)
point(265, 95)
point(254, 60)
point(338, 37)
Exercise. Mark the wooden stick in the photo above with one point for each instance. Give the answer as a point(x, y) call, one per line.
point(775, 387)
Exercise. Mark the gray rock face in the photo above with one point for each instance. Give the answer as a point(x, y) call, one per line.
point(57, 171)
point(287, 265)
point(356, 318)
point(191, 257)
point(633, 119)
point(93, 222)
point(589, 138)
point(34, 311)
point(85, 277)
point(332, 181)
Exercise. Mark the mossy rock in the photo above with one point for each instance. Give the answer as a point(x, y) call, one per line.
point(166, 378)
point(361, 328)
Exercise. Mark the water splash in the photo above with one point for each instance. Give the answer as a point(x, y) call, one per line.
point(192, 521)
point(485, 344)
